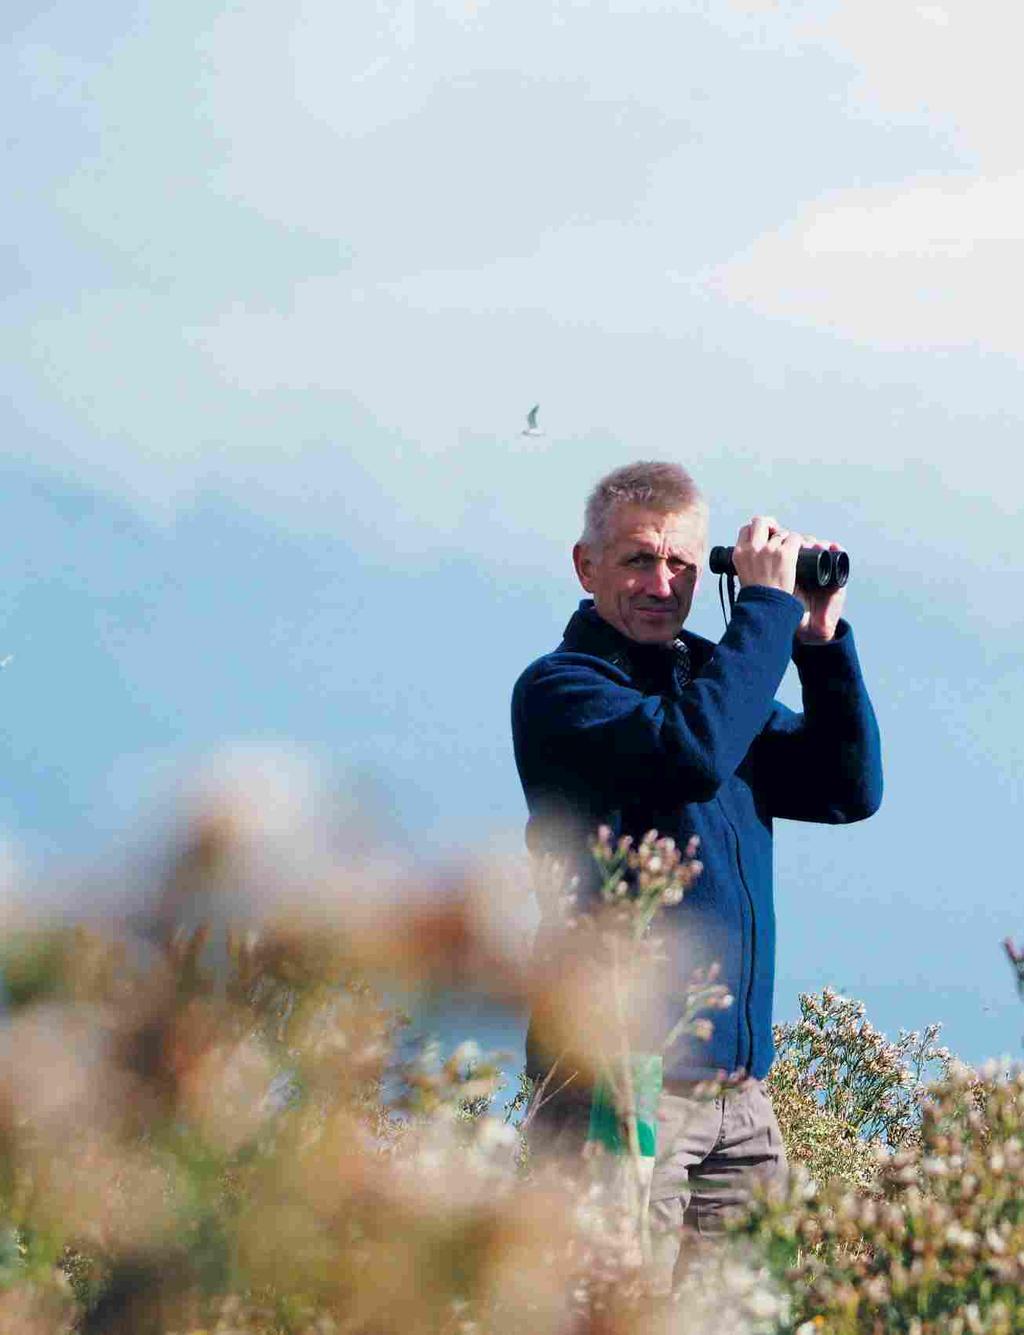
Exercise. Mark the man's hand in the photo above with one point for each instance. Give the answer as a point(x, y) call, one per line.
point(766, 554)
point(823, 607)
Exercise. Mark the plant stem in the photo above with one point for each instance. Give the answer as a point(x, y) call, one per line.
point(629, 1091)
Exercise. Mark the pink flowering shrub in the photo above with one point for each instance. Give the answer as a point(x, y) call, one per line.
point(904, 1211)
point(210, 1125)
point(934, 1244)
point(867, 1085)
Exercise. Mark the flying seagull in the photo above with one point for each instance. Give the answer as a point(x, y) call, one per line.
point(532, 429)
point(5, 661)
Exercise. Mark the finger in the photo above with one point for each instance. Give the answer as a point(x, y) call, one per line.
point(759, 532)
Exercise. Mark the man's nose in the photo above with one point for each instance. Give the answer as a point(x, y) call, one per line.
point(660, 581)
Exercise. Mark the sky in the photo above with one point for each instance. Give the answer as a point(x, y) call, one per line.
point(280, 284)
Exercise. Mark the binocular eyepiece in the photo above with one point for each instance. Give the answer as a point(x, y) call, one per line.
point(814, 569)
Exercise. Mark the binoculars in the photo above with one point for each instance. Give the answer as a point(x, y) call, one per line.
point(814, 569)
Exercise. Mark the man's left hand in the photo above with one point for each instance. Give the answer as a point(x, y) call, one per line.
point(822, 607)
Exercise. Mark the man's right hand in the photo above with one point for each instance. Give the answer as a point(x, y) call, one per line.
point(766, 554)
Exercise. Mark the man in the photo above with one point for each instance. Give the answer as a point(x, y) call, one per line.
point(635, 723)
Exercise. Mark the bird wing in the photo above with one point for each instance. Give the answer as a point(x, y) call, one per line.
point(531, 416)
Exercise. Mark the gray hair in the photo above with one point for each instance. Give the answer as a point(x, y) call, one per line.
point(664, 487)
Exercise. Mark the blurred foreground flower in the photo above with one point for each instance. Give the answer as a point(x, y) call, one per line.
point(206, 1125)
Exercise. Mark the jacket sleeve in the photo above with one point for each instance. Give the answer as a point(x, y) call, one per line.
point(586, 715)
point(824, 764)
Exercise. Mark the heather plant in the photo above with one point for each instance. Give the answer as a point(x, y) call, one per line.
point(616, 953)
point(637, 882)
point(937, 1246)
point(817, 1142)
point(912, 1217)
point(208, 1124)
point(867, 1086)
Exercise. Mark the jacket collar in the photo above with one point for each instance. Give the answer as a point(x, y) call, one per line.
point(589, 633)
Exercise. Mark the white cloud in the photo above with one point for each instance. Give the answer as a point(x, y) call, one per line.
point(948, 219)
point(936, 264)
point(418, 136)
point(324, 258)
point(936, 261)
point(955, 63)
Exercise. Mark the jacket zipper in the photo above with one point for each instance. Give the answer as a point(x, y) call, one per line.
point(752, 919)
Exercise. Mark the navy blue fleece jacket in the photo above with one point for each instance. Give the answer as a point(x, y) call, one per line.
point(607, 731)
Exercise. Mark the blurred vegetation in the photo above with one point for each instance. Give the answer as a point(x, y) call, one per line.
point(209, 1123)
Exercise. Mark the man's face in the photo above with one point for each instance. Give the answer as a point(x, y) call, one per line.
point(644, 577)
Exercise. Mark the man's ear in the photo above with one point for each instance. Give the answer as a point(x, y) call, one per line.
point(584, 564)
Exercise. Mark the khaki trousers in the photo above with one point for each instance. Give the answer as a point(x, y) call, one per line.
point(711, 1153)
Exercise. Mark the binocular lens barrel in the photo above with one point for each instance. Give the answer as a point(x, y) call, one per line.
point(814, 569)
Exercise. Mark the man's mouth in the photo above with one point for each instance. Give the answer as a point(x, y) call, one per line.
point(657, 611)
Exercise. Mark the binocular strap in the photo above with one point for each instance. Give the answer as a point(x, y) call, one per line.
point(730, 583)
